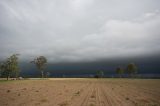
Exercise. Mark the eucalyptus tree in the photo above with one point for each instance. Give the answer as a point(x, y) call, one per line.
point(10, 65)
point(132, 69)
point(15, 64)
point(99, 74)
point(119, 71)
point(40, 63)
point(47, 74)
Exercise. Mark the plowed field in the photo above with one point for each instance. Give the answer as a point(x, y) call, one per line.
point(80, 92)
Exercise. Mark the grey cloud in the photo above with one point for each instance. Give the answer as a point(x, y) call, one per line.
point(79, 30)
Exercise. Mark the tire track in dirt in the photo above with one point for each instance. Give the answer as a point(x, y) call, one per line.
point(83, 94)
point(68, 95)
point(125, 95)
point(149, 92)
point(112, 92)
point(100, 98)
point(90, 97)
point(103, 98)
point(140, 94)
point(94, 97)
point(142, 89)
point(134, 95)
point(87, 96)
point(108, 100)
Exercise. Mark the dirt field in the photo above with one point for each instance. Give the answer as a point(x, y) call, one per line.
point(80, 92)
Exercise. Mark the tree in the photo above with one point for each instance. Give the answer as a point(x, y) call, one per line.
point(15, 66)
point(119, 71)
point(47, 74)
point(99, 74)
point(10, 66)
point(132, 69)
point(40, 62)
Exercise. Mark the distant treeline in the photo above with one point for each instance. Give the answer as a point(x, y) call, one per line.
point(10, 68)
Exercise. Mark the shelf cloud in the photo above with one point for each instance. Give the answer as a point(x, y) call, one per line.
point(79, 30)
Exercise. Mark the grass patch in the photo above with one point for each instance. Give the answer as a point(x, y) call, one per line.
point(37, 78)
point(77, 93)
point(5, 81)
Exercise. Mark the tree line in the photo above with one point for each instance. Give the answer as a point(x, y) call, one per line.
point(131, 69)
point(10, 67)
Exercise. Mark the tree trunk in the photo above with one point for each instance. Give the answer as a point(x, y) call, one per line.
point(120, 76)
point(17, 74)
point(8, 77)
point(42, 74)
point(131, 75)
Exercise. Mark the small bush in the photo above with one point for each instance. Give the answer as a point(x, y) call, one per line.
point(127, 98)
point(8, 91)
point(44, 100)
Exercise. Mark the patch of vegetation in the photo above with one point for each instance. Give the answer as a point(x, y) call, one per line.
point(127, 98)
point(24, 89)
point(5, 81)
point(92, 96)
point(92, 104)
point(8, 91)
point(77, 93)
point(43, 100)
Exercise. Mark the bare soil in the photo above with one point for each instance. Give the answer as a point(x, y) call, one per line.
point(80, 92)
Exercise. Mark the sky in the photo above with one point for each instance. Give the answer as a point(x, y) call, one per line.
point(79, 30)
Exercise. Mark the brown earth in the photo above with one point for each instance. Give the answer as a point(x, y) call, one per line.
point(80, 92)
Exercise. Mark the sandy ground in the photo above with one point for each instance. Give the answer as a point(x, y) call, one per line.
point(80, 92)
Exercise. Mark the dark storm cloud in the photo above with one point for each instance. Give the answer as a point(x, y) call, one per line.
point(79, 30)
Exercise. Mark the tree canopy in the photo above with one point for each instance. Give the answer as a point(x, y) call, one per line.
point(99, 74)
point(40, 63)
point(119, 71)
point(132, 68)
point(9, 66)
